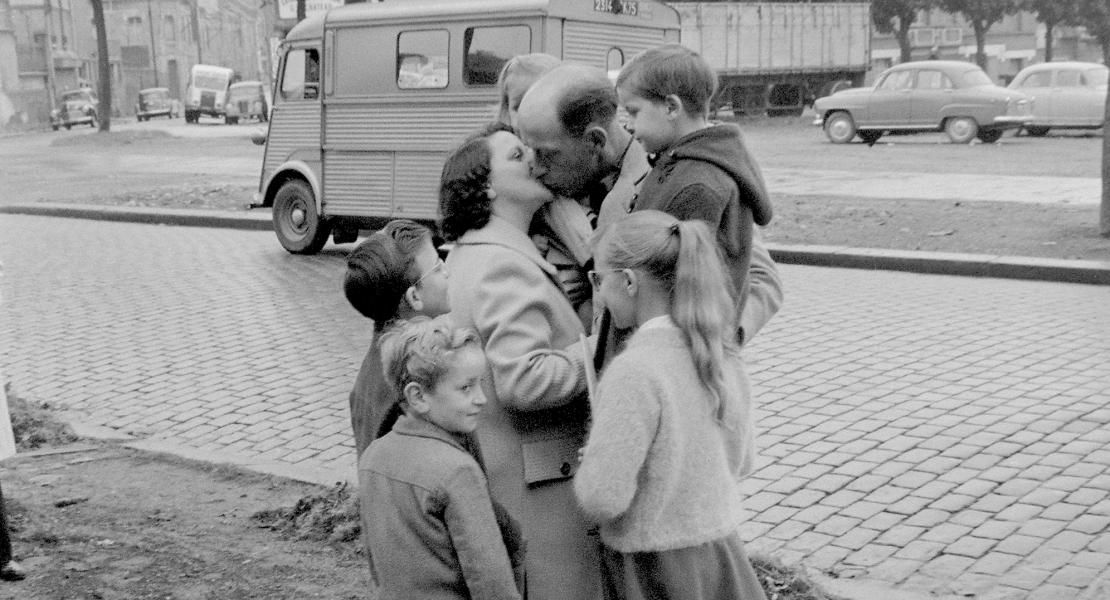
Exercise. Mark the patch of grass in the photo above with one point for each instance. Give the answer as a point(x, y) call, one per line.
point(785, 583)
point(330, 516)
point(34, 423)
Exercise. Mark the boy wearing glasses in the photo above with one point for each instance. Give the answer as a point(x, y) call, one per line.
point(395, 273)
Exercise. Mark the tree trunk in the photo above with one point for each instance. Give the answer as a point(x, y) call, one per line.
point(980, 45)
point(104, 70)
point(1104, 208)
point(301, 12)
point(1048, 39)
point(904, 39)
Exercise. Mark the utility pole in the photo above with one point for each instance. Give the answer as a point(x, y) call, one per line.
point(51, 81)
point(195, 17)
point(153, 52)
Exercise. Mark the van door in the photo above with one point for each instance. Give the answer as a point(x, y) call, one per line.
point(295, 121)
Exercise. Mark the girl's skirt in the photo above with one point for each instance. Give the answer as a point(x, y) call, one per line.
point(717, 570)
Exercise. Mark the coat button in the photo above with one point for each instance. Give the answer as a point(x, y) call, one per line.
point(565, 469)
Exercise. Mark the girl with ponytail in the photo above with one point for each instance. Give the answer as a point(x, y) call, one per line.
point(672, 435)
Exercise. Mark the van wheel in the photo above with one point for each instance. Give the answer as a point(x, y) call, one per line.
point(298, 226)
point(990, 136)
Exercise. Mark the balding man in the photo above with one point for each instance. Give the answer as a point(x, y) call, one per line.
point(569, 117)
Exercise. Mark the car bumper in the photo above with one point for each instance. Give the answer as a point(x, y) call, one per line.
point(1011, 121)
point(819, 121)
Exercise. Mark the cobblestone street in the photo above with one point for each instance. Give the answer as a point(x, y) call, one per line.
point(941, 434)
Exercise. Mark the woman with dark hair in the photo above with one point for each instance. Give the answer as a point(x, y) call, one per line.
point(501, 287)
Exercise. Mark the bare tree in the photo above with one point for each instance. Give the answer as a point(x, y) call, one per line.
point(982, 14)
point(104, 71)
point(897, 16)
point(1095, 16)
point(301, 10)
point(1052, 13)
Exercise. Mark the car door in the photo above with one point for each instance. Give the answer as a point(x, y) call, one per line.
point(1038, 86)
point(1070, 97)
point(889, 105)
point(932, 91)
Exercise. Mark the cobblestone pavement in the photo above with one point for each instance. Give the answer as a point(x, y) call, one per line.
point(941, 434)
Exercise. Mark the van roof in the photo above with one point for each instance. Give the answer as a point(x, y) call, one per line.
point(411, 10)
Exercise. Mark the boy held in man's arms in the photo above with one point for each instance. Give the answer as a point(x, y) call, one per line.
point(430, 522)
point(701, 170)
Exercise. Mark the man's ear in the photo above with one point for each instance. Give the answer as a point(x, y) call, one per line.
point(413, 299)
point(596, 136)
point(414, 395)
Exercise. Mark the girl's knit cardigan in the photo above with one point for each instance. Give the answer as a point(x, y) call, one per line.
point(658, 471)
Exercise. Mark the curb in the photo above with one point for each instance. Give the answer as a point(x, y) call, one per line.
point(1089, 272)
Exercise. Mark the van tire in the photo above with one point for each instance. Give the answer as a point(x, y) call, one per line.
point(298, 226)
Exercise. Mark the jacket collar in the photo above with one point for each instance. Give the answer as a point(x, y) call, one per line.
point(417, 427)
point(498, 232)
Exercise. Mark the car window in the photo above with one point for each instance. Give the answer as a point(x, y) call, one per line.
point(422, 59)
point(301, 78)
point(488, 48)
point(1037, 79)
point(896, 80)
point(1067, 78)
point(929, 79)
point(1097, 76)
point(976, 77)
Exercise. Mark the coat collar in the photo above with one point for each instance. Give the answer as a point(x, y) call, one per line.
point(417, 427)
point(499, 232)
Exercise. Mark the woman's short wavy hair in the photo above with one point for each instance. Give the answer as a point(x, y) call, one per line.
point(464, 202)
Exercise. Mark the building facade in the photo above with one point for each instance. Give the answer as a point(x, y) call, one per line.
point(151, 43)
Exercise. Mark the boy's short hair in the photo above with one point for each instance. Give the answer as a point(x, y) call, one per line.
point(381, 269)
point(420, 349)
point(671, 69)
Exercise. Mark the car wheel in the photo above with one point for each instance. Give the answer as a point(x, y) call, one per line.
point(68, 125)
point(870, 137)
point(961, 130)
point(840, 128)
point(990, 136)
point(54, 127)
point(1035, 131)
point(298, 226)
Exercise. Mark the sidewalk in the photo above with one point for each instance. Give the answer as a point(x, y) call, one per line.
point(975, 265)
point(920, 436)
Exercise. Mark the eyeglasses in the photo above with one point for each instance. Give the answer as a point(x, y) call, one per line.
point(439, 266)
point(595, 276)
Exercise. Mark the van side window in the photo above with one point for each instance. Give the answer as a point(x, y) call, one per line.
point(301, 78)
point(422, 59)
point(488, 48)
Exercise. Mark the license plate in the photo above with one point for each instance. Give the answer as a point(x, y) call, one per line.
point(618, 7)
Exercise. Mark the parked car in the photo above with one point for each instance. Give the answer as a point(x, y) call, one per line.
point(955, 97)
point(1068, 95)
point(75, 107)
point(247, 100)
point(155, 102)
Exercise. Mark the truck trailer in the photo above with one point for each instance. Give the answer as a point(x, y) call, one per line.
point(776, 58)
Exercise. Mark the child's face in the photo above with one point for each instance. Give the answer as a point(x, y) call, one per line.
point(457, 399)
point(432, 286)
point(648, 120)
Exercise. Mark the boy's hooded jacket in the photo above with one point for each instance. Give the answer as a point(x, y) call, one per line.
point(710, 175)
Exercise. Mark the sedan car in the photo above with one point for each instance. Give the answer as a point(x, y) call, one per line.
point(75, 107)
point(246, 100)
point(154, 102)
point(1068, 95)
point(955, 97)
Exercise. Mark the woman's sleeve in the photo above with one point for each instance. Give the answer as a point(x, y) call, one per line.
point(625, 420)
point(515, 304)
